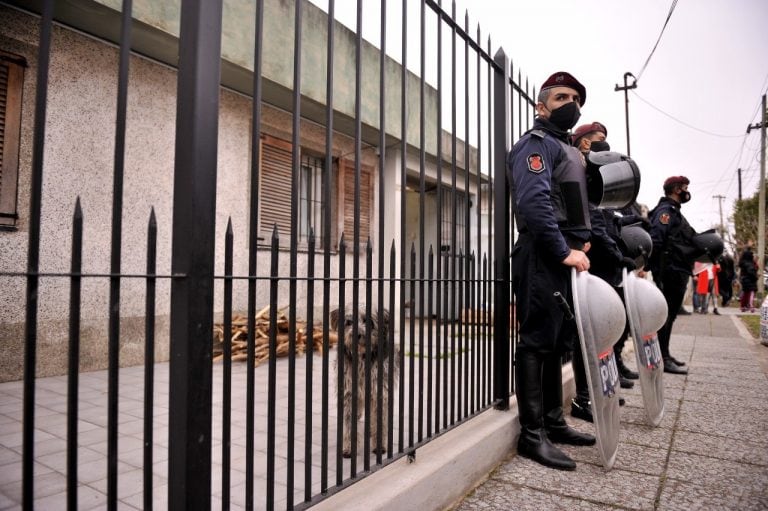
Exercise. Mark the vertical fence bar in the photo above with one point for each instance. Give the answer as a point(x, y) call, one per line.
point(455, 360)
point(194, 215)
point(487, 381)
point(403, 198)
point(411, 345)
point(253, 243)
point(33, 257)
point(480, 304)
point(310, 344)
point(430, 304)
point(466, 356)
point(484, 366)
point(356, 230)
point(74, 354)
point(461, 354)
point(382, 198)
point(116, 255)
point(293, 258)
point(391, 349)
point(226, 398)
point(501, 366)
point(149, 359)
point(340, 364)
point(422, 210)
point(368, 356)
point(327, 244)
point(438, 217)
point(274, 281)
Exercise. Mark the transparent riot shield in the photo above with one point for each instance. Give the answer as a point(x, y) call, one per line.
point(647, 313)
point(600, 319)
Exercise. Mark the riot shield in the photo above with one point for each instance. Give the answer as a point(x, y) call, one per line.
point(600, 320)
point(647, 312)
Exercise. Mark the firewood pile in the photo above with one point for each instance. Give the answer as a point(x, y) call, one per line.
point(238, 337)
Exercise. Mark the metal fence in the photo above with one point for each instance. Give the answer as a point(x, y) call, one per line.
point(448, 332)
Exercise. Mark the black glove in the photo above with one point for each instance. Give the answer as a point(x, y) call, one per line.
point(628, 263)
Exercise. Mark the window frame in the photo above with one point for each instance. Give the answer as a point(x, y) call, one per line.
point(10, 138)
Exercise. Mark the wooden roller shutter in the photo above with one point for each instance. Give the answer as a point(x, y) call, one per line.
point(11, 82)
point(275, 190)
point(366, 202)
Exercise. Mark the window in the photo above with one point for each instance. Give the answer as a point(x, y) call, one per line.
point(347, 176)
point(11, 81)
point(312, 211)
point(275, 191)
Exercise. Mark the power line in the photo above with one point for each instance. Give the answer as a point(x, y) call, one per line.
point(683, 122)
point(671, 10)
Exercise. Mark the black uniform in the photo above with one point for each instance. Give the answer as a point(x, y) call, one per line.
point(549, 186)
point(671, 260)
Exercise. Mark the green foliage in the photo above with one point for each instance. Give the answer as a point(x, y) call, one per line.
point(745, 216)
point(752, 323)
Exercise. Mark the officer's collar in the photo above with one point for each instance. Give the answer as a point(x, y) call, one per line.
point(550, 127)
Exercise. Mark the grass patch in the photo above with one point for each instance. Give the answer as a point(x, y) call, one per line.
point(752, 323)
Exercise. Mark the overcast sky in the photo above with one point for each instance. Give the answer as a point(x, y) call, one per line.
point(709, 71)
point(689, 114)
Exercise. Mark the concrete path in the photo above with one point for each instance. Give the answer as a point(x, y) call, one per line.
point(710, 451)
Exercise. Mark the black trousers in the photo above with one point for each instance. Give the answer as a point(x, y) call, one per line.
point(672, 284)
point(535, 278)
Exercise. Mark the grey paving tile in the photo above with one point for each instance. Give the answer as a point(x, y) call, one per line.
point(723, 419)
point(498, 495)
point(589, 482)
point(684, 496)
point(629, 457)
point(717, 473)
point(696, 394)
point(637, 415)
point(644, 435)
point(722, 447)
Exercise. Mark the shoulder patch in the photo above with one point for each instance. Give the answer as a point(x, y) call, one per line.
point(535, 163)
point(664, 218)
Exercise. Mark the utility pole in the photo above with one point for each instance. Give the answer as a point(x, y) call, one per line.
point(626, 101)
point(761, 202)
point(739, 171)
point(720, 203)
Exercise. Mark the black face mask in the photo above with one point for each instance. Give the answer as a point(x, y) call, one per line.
point(684, 196)
point(599, 146)
point(566, 116)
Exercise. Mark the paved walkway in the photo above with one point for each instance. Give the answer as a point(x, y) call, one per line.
point(709, 452)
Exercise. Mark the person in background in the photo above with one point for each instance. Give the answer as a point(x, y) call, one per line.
point(725, 279)
point(708, 288)
point(672, 258)
point(748, 279)
point(606, 261)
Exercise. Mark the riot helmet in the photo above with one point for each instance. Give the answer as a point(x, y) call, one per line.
point(613, 179)
point(710, 245)
point(637, 243)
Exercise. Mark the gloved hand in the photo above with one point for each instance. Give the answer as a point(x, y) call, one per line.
point(628, 263)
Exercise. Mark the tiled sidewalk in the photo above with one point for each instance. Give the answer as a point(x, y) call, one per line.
point(709, 452)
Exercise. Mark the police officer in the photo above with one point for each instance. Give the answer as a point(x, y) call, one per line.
point(606, 261)
point(549, 191)
point(672, 258)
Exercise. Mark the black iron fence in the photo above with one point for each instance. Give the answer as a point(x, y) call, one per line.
point(444, 308)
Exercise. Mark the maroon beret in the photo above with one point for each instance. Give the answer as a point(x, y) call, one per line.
point(563, 79)
point(586, 129)
point(672, 181)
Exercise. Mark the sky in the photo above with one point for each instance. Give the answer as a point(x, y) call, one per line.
point(700, 90)
point(694, 99)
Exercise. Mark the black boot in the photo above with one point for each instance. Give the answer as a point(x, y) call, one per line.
point(558, 430)
point(581, 406)
point(624, 383)
point(625, 371)
point(533, 442)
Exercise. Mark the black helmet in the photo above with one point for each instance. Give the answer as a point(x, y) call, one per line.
point(637, 243)
point(710, 245)
point(613, 180)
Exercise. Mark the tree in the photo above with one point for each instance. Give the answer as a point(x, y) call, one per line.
point(745, 215)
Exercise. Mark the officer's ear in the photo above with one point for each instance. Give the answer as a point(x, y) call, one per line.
point(540, 109)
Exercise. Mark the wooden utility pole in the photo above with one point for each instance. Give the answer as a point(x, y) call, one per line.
point(761, 201)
